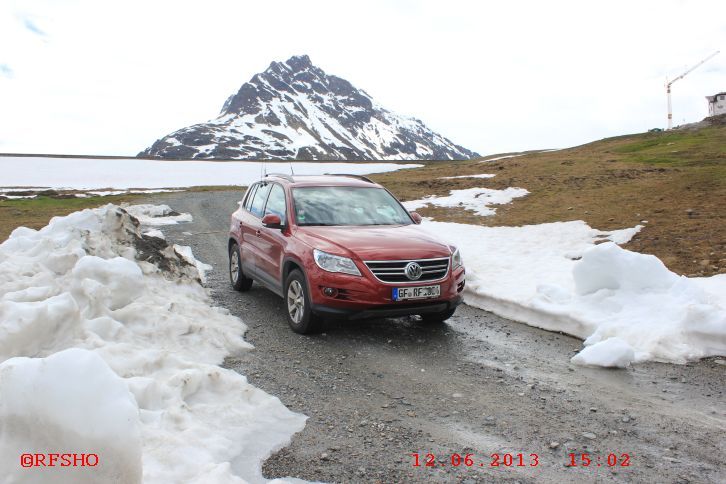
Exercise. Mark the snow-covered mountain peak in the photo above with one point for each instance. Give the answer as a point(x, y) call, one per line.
point(294, 110)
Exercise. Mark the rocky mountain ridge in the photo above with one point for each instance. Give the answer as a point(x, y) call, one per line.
point(295, 111)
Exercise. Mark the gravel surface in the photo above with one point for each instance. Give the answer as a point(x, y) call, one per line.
point(378, 391)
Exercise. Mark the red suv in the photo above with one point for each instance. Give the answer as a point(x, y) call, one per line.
point(340, 246)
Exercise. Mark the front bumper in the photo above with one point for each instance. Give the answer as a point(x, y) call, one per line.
point(363, 297)
point(386, 311)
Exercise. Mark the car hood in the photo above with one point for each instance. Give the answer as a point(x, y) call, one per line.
point(382, 242)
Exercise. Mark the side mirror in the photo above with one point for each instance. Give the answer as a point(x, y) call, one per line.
point(416, 217)
point(272, 221)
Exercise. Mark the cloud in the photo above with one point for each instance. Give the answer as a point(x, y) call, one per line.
point(490, 76)
point(30, 25)
point(6, 71)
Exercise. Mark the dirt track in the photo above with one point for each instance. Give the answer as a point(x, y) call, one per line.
point(378, 391)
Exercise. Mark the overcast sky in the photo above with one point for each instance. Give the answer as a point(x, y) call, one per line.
point(101, 77)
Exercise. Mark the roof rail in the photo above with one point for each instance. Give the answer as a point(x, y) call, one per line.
point(281, 175)
point(360, 177)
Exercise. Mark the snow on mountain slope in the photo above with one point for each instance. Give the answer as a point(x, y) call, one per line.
point(294, 110)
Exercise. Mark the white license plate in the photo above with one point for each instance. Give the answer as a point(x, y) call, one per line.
point(420, 292)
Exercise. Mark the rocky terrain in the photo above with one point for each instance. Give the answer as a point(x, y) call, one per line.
point(295, 111)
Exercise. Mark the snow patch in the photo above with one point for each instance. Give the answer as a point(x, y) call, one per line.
point(156, 214)
point(19, 197)
point(475, 199)
point(624, 236)
point(501, 158)
point(107, 193)
point(482, 175)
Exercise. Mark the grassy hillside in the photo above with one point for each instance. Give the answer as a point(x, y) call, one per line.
point(675, 180)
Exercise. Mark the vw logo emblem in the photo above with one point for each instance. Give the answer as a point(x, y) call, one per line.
point(413, 271)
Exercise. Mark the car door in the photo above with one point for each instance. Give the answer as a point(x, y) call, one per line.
point(272, 241)
point(250, 225)
point(240, 223)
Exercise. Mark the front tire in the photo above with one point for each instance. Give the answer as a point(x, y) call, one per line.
point(239, 281)
point(437, 318)
point(300, 316)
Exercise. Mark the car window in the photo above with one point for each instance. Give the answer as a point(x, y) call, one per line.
point(347, 206)
point(276, 202)
point(250, 196)
point(259, 200)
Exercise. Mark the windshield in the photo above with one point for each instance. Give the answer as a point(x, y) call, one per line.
point(347, 206)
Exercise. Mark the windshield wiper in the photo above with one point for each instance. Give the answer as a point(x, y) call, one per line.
point(319, 224)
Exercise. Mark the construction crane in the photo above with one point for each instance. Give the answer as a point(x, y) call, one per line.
point(668, 86)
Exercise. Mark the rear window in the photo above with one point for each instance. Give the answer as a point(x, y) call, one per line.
point(347, 206)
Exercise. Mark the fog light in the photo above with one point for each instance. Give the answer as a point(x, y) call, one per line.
point(330, 291)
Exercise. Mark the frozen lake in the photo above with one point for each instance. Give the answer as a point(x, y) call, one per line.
point(94, 173)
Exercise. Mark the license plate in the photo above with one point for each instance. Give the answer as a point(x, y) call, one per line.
point(421, 292)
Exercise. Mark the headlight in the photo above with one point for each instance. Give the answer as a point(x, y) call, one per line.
point(456, 260)
point(335, 263)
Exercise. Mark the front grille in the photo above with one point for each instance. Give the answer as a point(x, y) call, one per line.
point(394, 270)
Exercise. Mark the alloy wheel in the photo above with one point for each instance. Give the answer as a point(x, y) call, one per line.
point(295, 301)
point(234, 266)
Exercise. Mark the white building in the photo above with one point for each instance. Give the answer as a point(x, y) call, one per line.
point(716, 104)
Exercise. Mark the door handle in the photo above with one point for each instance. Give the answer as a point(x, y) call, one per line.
point(257, 233)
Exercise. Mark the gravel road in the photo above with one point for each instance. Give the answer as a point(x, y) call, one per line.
point(378, 391)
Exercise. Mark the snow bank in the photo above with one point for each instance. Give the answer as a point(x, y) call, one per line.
point(72, 402)
point(627, 306)
point(635, 298)
point(476, 199)
point(148, 346)
point(186, 252)
point(156, 214)
point(613, 352)
point(154, 233)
